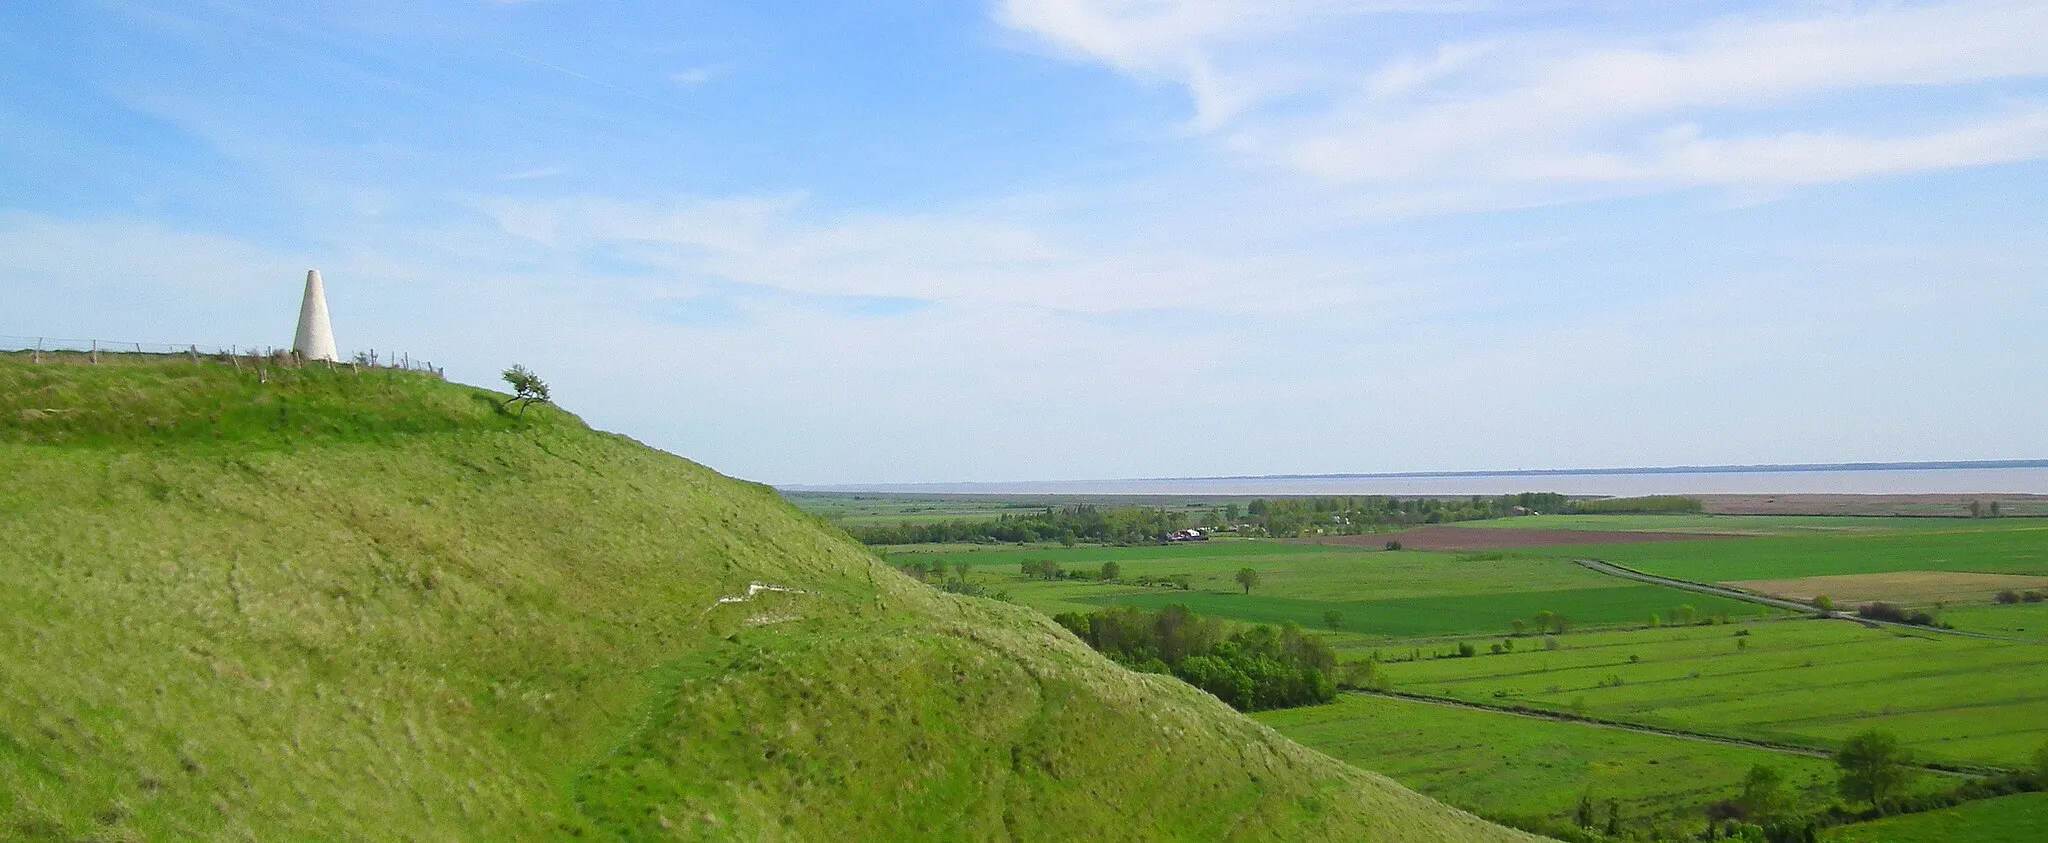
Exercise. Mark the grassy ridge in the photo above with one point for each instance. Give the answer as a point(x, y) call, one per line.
point(335, 605)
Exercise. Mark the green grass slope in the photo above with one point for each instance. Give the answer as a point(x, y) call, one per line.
point(338, 605)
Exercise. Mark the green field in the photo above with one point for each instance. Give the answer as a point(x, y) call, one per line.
point(2021, 620)
point(1949, 698)
point(2003, 546)
point(1751, 525)
point(1380, 595)
point(1515, 768)
point(2007, 819)
point(325, 605)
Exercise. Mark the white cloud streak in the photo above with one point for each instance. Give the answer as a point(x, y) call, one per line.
point(1744, 101)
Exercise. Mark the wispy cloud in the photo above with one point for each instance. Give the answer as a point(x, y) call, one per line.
point(1748, 100)
point(533, 174)
point(695, 76)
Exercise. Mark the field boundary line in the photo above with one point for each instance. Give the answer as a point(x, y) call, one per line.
point(1623, 725)
point(1627, 573)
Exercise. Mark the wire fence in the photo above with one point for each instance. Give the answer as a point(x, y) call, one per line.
point(93, 351)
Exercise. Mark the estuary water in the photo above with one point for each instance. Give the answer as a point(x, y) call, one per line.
point(2003, 477)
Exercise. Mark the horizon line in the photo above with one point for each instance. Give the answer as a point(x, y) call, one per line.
point(1755, 468)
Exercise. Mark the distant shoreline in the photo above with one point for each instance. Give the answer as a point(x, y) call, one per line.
point(1766, 468)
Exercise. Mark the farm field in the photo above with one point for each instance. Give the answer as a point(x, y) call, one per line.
point(2024, 620)
point(1378, 594)
point(1760, 525)
point(2021, 816)
point(2004, 546)
point(1513, 769)
point(1906, 588)
point(1800, 681)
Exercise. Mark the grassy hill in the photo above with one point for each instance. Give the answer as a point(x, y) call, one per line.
point(341, 605)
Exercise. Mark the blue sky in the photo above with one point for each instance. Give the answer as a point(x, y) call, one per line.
point(913, 240)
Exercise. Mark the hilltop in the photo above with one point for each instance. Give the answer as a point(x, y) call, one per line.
point(331, 604)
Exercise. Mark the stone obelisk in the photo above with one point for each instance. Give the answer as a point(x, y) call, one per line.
point(315, 340)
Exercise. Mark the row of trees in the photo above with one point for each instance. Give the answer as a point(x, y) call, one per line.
point(1275, 517)
point(1649, 505)
point(1064, 524)
point(1251, 669)
point(1360, 514)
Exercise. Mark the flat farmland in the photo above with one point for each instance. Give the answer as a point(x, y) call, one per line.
point(1511, 767)
point(1950, 699)
point(1749, 525)
point(1379, 594)
point(2022, 816)
point(2007, 546)
point(2022, 620)
point(1906, 588)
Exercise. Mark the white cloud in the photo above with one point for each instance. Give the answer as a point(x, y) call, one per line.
point(1742, 101)
point(960, 257)
point(694, 76)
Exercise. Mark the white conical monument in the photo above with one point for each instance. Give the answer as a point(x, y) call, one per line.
point(315, 340)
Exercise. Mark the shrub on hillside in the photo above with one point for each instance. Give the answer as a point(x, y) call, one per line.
point(1252, 669)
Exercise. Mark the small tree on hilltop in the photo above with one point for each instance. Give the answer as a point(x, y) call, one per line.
point(1874, 767)
point(1247, 577)
point(527, 389)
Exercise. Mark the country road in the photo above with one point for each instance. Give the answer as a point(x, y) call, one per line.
point(1614, 570)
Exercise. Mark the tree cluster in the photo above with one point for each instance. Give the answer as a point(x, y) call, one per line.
point(1650, 505)
point(1251, 669)
point(1888, 612)
point(1360, 514)
point(1065, 524)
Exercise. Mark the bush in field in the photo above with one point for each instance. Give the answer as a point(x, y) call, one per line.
point(1044, 569)
point(1824, 603)
point(1111, 572)
point(2008, 596)
point(1393, 545)
point(1764, 795)
point(1333, 619)
point(1466, 650)
point(1874, 767)
point(1247, 577)
point(1889, 612)
point(1357, 675)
